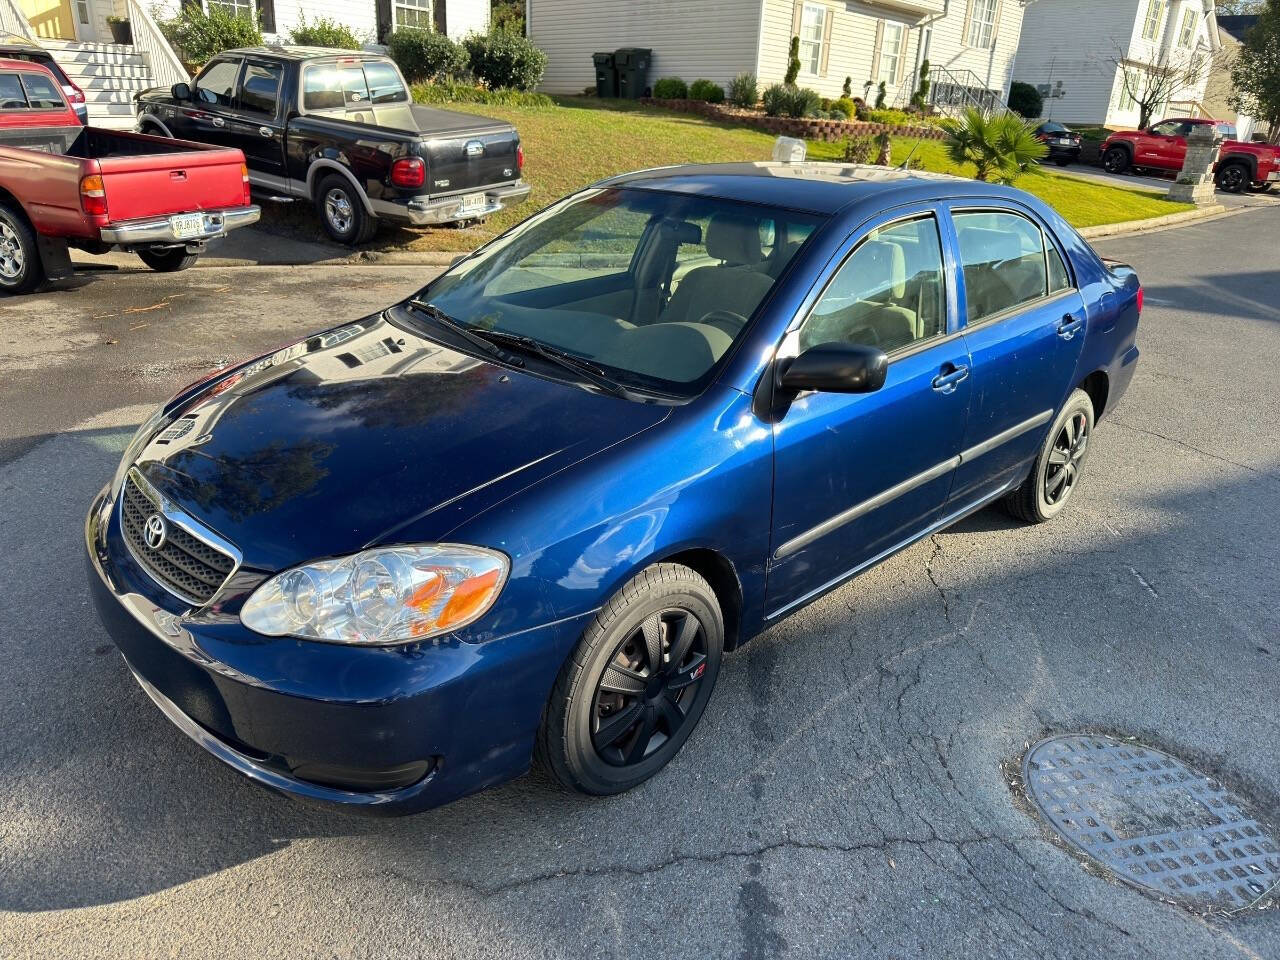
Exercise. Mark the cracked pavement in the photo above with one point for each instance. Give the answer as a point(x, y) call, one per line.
point(844, 794)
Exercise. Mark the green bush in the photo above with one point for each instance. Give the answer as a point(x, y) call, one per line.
point(323, 33)
point(898, 118)
point(1026, 100)
point(844, 106)
point(858, 149)
point(426, 55)
point(671, 88)
point(882, 94)
point(743, 90)
point(776, 98)
point(706, 90)
point(504, 58)
point(846, 91)
point(803, 102)
point(793, 62)
point(507, 15)
point(453, 92)
point(199, 36)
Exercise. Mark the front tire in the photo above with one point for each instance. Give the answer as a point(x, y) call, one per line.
point(168, 261)
point(636, 685)
point(1116, 160)
point(21, 269)
point(342, 211)
point(1047, 489)
point(1233, 177)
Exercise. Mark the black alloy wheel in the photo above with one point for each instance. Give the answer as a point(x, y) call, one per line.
point(643, 698)
point(1233, 178)
point(1116, 160)
point(1053, 479)
point(1065, 458)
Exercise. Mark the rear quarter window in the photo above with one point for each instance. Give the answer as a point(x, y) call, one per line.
point(12, 96)
point(42, 93)
point(384, 83)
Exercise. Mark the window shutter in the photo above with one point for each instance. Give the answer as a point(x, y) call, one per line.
point(383, 8)
point(267, 15)
point(438, 19)
point(995, 22)
point(826, 41)
point(875, 51)
point(903, 40)
point(796, 13)
point(968, 20)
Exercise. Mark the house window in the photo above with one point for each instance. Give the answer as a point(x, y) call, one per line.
point(413, 13)
point(237, 8)
point(1188, 32)
point(813, 23)
point(1155, 13)
point(982, 23)
point(892, 44)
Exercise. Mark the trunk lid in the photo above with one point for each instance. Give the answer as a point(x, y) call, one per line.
point(463, 151)
point(160, 184)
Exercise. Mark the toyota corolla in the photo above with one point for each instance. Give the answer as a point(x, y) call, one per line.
point(526, 511)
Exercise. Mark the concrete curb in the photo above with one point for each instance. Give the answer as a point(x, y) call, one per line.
point(1155, 223)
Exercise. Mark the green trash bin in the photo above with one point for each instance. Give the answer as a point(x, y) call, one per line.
point(606, 74)
point(633, 71)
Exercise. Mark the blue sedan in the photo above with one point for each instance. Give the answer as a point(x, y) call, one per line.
point(525, 512)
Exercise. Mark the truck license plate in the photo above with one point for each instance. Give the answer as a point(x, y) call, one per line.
point(187, 225)
point(471, 203)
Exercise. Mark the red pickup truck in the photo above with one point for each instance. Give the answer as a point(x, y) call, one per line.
point(65, 185)
point(1252, 166)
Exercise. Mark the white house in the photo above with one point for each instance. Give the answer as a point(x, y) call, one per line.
point(1077, 51)
point(970, 44)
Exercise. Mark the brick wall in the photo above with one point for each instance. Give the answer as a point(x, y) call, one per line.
point(828, 130)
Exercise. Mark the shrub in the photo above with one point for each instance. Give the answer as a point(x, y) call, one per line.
point(882, 94)
point(896, 118)
point(776, 98)
point(706, 90)
point(453, 92)
point(507, 15)
point(802, 102)
point(199, 36)
point(323, 33)
point(793, 62)
point(425, 55)
point(1000, 147)
point(846, 91)
point(858, 149)
point(845, 107)
point(671, 88)
point(860, 110)
point(503, 58)
point(743, 90)
point(1026, 100)
point(921, 97)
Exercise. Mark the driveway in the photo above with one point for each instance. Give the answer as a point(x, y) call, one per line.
point(844, 795)
point(1144, 181)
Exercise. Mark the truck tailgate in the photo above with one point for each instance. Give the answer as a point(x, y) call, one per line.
point(451, 166)
point(161, 184)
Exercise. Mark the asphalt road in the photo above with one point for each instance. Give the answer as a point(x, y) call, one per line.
point(844, 795)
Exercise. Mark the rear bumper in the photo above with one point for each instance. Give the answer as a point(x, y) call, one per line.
point(422, 211)
point(160, 229)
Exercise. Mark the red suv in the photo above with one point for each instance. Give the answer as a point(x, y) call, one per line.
point(1240, 166)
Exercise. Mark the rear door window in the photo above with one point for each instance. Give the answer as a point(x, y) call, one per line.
point(333, 86)
point(42, 92)
point(1003, 259)
point(12, 96)
point(384, 83)
point(260, 88)
point(216, 86)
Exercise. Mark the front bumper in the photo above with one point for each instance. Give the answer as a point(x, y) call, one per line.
point(159, 230)
point(423, 211)
point(377, 730)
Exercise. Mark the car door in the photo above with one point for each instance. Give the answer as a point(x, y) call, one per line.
point(1024, 327)
point(1150, 147)
point(254, 122)
point(203, 117)
point(856, 475)
point(1174, 150)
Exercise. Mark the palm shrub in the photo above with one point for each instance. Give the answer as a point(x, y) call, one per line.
point(776, 99)
point(706, 90)
point(1000, 147)
point(671, 88)
point(323, 32)
point(426, 55)
point(743, 90)
point(793, 63)
point(802, 102)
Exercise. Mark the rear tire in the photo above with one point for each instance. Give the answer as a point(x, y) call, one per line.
point(1116, 160)
point(1233, 177)
point(168, 261)
point(342, 211)
point(1047, 489)
point(21, 269)
point(647, 665)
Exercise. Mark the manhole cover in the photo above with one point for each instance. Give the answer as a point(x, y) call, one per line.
point(1153, 821)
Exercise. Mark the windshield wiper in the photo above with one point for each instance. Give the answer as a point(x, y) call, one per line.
point(472, 336)
point(570, 361)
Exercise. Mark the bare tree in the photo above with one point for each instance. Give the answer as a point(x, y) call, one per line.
point(1151, 83)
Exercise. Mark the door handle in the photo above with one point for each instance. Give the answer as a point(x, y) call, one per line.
point(1070, 326)
point(218, 122)
point(947, 382)
point(265, 131)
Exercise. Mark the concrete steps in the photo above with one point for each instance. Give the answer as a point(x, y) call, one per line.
point(110, 75)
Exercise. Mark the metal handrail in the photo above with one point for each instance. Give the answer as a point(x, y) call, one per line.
point(165, 65)
point(13, 20)
point(961, 89)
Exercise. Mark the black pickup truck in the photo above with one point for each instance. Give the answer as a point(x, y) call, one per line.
point(339, 128)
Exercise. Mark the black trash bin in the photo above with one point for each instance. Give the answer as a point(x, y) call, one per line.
point(633, 71)
point(606, 75)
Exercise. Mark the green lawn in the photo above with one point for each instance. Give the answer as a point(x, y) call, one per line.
point(582, 140)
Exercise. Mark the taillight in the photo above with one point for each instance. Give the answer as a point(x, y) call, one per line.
point(74, 93)
point(93, 196)
point(1141, 299)
point(244, 180)
point(408, 172)
point(519, 157)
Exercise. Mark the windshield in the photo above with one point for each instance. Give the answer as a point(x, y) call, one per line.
point(654, 288)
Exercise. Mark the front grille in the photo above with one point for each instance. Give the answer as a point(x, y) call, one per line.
point(184, 565)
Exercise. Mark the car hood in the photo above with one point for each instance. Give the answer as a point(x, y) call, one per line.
point(336, 442)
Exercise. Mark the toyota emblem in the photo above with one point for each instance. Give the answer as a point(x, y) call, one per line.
point(155, 531)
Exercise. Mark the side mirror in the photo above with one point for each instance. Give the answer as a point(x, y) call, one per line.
point(180, 91)
point(836, 368)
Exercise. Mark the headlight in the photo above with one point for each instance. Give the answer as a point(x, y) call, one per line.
point(382, 596)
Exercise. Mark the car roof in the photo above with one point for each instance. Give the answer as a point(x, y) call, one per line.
point(813, 187)
point(7, 63)
point(289, 52)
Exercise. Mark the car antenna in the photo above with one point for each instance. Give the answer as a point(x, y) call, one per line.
point(904, 164)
